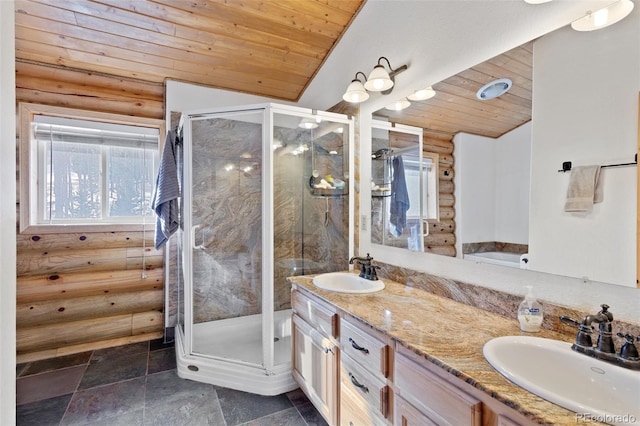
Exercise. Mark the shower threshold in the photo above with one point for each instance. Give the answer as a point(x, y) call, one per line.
point(229, 353)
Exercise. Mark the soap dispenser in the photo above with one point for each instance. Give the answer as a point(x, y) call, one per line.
point(530, 312)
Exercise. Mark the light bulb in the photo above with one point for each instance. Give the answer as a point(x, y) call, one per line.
point(600, 17)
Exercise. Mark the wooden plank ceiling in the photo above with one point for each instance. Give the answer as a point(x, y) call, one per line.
point(455, 107)
point(268, 48)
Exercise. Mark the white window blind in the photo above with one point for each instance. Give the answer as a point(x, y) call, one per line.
point(93, 171)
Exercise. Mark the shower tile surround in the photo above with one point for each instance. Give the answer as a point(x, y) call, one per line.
point(224, 271)
point(137, 384)
point(497, 302)
point(320, 242)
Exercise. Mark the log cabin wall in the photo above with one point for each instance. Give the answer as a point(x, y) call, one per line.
point(441, 239)
point(83, 291)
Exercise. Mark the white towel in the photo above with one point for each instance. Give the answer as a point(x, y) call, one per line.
point(584, 189)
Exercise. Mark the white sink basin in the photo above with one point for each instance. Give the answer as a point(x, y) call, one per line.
point(345, 282)
point(551, 370)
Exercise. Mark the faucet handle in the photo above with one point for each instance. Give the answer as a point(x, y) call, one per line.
point(629, 350)
point(583, 338)
point(605, 311)
point(569, 321)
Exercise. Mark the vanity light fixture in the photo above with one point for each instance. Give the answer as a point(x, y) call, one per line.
point(603, 17)
point(398, 105)
point(422, 94)
point(537, 1)
point(379, 80)
point(356, 92)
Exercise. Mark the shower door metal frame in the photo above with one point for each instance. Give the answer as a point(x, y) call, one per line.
point(267, 184)
point(188, 236)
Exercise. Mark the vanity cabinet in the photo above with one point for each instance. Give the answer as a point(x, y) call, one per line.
point(408, 415)
point(365, 396)
point(364, 347)
point(435, 398)
point(359, 376)
point(315, 353)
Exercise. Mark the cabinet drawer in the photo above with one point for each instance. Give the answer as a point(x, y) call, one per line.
point(366, 349)
point(406, 414)
point(318, 314)
point(442, 402)
point(353, 412)
point(368, 392)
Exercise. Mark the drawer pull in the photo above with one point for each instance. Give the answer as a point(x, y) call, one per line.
point(357, 347)
point(357, 384)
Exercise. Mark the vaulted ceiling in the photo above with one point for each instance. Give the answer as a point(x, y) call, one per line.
point(306, 50)
point(269, 48)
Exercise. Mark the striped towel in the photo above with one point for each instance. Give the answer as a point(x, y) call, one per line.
point(166, 193)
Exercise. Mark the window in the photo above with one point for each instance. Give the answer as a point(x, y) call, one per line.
point(86, 168)
point(422, 184)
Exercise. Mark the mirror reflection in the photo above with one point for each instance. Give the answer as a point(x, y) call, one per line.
point(404, 187)
point(570, 96)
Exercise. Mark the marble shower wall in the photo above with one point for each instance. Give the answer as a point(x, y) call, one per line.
point(304, 243)
point(227, 208)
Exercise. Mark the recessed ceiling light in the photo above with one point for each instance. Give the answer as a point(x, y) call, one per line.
point(494, 89)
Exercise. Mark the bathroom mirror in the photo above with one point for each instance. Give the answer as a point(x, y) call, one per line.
point(509, 187)
point(404, 186)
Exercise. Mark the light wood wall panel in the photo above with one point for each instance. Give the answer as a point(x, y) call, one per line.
point(72, 296)
point(67, 87)
point(84, 291)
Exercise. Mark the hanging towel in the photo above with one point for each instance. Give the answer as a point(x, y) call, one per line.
point(166, 193)
point(584, 189)
point(399, 197)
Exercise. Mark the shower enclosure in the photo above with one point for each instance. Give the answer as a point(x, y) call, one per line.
point(255, 210)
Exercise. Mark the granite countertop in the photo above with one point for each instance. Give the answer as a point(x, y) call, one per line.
point(449, 334)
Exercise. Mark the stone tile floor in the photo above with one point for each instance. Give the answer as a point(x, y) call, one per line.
point(137, 384)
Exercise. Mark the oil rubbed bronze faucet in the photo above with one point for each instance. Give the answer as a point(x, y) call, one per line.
point(367, 270)
point(604, 348)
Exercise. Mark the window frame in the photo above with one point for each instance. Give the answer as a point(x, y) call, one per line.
point(29, 189)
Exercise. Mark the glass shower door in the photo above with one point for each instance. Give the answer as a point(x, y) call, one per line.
point(224, 233)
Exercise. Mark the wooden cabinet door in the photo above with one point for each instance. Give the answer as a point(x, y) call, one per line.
point(315, 368)
point(407, 415)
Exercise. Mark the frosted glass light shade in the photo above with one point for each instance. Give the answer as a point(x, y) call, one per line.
point(378, 80)
point(355, 92)
point(422, 94)
point(603, 17)
point(398, 105)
